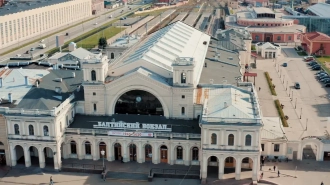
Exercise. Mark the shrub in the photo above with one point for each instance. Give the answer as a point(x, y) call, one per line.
point(281, 113)
point(270, 84)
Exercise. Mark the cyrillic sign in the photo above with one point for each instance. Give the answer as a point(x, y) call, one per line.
point(130, 134)
point(133, 126)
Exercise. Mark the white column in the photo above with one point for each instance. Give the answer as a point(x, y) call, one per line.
point(155, 154)
point(204, 168)
point(170, 151)
point(80, 152)
point(187, 155)
point(13, 155)
point(41, 157)
point(27, 156)
point(222, 135)
point(139, 153)
point(300, 151)
point(56, 166)
point(58, 156)
point(238, 168)
point(221, 167)
point(109, 151)
point(239, 139)
point(255, 168)
point(205, 137)
point(319, 152)
point(95, 152)
point(125, 152)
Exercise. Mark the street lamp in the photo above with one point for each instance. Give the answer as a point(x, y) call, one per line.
point(102, 153)
point(300, 112)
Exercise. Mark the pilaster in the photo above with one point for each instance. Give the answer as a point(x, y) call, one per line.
point(255, 169)
point(139, 153)
point(187, 157)
point(204, 167)
point(238, 168)
point(110, 152)
point(221, 167)
point(41, 157)
point(94, 151)
point(171, 150)
point(155, 155)
point(79, 146)
point(27, 156)
point(125, 154)
point(13, 155)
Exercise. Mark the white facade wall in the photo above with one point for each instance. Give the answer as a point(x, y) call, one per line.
point(17, 27)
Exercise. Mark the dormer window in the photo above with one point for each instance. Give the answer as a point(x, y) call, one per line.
point(183, 78)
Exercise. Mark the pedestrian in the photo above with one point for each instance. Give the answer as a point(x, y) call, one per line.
point(278, 173)
point(122, 159)
point(322, 183)
point(103, 175)
point(274, 168)
point(259, 88)
point(51, 180)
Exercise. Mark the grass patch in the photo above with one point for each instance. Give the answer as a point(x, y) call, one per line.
point(281, 113)
point(231, 12)
point(301, 53)
point(44, 37)
point(322, 61)
point(152, 13)
point(92, 41)
point(253, 47)
point(270, 84)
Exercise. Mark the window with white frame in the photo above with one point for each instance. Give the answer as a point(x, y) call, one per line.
point(231, 139)
point(16, 129)
point(46, 131)
point(31, 130)
point(276, 147)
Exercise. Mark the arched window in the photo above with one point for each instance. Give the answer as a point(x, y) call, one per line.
point(213, 159)
point(73, 147)
point(231, 140)
point(88, 150)
point(248, 140)
point(179, 152)
point(183, 111)
point(46, 131)
point(112, 56)
point(183, 78)
point(195, 154)
point(214, 139)
point(93, 75)
point(16, 128)
point(31, 130)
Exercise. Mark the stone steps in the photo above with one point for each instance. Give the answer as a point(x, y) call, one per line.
point(111, 175)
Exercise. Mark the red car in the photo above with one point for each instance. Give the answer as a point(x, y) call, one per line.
point(309, 59)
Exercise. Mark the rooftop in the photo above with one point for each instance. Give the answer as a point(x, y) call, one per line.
point(178, 126)
point(79, 53)
point(125, 41)
point(260, 10)
point(54, 88)
point(230, 105)
point(317, 36)
point(15, 7)
point(160, 49)
point(320, 9)
point(13, 81)
point(272, 129)
point(222, 65)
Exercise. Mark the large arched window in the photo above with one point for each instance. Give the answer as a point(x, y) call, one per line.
point(248, 140)
point(88, 150)
point(231, 140)
point(179, 152)
point(73, 147)
point(93, 75)
point(31, 130)
point(46, 131)
point(16, 128)
point(214, 139)
point(195, 154)
point(183, 78)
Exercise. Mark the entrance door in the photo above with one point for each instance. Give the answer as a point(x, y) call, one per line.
point(148, 153)
point(2, 158)
point(132, 152)
point(267, 39)
point(117, 151)
point(163, 154)
point(229, 162)
point(103, 147)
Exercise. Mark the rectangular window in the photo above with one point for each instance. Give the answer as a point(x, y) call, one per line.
point(183, 96)
point(183, 111)
point(262, 147)
point(276, 147)
point(94, 106)
point(278, 37)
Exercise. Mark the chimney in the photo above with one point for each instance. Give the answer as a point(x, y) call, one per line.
point(26, 80)
point(58, 79)
point(225, 104)
point(0, 82)
point(73, 74)
point(9, 98)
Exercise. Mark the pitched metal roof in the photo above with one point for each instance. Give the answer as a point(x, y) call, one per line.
point(272, 128)
point(44, 97)
point(320, 9)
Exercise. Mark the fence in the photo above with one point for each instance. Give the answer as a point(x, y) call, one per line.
point(84, 168)
point(174, 173)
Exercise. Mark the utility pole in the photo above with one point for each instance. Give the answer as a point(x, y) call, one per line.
point(300, 112)
point(295, 105)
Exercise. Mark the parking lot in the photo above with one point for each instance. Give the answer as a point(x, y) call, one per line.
point(307, 107)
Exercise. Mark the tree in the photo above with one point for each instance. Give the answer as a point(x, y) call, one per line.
point(103, 42)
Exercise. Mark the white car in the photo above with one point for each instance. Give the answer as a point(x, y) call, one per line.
point(42, 41)
point(95, 23)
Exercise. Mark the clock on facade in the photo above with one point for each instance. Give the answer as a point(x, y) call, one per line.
point(138, 99)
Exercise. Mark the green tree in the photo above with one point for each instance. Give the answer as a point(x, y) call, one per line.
point(103, 42)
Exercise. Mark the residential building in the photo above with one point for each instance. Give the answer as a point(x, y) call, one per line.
point(316, 43)
point(266, 26)
point(21, 21)
point(97, 6)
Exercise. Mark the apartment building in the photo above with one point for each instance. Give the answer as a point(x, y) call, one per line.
point(21, 21)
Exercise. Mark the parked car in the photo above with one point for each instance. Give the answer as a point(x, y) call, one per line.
point(32, 49)
point(312, 63)
point(325, 78)
point(322, 76)
point(326, 81)
point(95, 23)
point(320, 72)
point(18, 55)
point(308, 58)
point(316, 67)
point(327, 85)
point(285, 65)
point(296, 85)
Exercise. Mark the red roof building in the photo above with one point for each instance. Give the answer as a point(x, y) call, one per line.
point(2, 2)
point(316, 43)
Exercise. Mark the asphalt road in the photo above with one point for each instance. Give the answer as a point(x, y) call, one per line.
point(73, 32)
